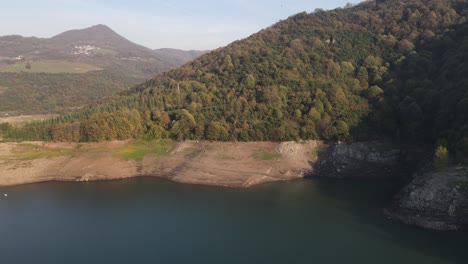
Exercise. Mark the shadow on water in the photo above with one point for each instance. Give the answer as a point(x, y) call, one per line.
point(363, 200)
point(368, 198)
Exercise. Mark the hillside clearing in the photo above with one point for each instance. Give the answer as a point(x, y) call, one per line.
point(23, 119)
point(50, 66)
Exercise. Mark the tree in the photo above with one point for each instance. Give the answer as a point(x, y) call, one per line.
point(441, 158)
point(250, 81)
point(227, 64)
point(363, 77)
point(342, 130)
point(217, 131)
point(405, 46)
point(374, 92)
point(184, 126)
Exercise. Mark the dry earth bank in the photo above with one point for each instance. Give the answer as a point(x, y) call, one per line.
point(212, 163)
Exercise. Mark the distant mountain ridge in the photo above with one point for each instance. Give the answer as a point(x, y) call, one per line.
point(41, 75)
point(63, 46)
point(99, 35)
point(179, 56)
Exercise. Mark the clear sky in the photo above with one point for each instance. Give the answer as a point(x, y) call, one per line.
point(183, 24)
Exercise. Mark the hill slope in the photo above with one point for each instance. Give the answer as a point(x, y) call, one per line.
point(83, 51)
point(101, 36)
point(90, 44)
point(179, 56)
point(340, 74)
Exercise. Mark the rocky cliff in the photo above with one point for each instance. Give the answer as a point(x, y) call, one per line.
point(358, 160)
point(435, 200)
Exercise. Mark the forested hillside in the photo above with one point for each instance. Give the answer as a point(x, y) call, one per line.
point(36, 93)
point(388, 68)
point(75, 68)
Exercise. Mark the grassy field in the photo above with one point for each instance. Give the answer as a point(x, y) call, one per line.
point(50, 66)
point(137, 150)
point(134, 150)
point(23, 119)
point(32, 151)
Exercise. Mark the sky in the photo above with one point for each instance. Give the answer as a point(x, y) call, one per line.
point(181, 24)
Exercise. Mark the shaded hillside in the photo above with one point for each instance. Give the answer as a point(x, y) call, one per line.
point(123, 63)
point(429, 99)
point(342, 74)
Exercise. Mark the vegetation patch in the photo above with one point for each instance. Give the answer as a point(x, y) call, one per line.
point(137, 150)
point(24, 119)
point(94, 152)
point(49, 66)
point(33, 93)
point(32, 151)
point(316, 151)
point(266, 155)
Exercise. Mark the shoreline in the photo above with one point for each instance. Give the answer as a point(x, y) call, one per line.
point(223, 164)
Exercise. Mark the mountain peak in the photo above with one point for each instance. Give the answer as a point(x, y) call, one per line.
point(100, 36)
point(100, 28)
point(96, 32)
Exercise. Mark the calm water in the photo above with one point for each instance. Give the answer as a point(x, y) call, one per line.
point(153, 221)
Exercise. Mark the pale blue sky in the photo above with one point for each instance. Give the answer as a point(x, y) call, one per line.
point(180, 24)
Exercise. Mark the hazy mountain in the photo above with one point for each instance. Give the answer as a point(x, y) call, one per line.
point(100, 36)
point(26, 65)
point(179, 56)
point(98, 45)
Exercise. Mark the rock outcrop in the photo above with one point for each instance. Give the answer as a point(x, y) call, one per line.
point(434, 200)
point(358, 160)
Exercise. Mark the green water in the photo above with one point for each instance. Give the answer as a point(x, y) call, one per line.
point(154, 221)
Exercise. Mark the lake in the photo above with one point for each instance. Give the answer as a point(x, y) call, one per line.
point(147, 220)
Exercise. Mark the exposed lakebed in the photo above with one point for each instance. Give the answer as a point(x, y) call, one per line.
point(147, 220)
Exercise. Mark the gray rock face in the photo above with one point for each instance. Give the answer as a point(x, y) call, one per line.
point(435, 200)
point(358, 160)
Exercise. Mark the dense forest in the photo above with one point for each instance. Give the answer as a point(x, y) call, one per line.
point(383, 68)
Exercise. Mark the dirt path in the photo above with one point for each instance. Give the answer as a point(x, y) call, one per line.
point(210, 163)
